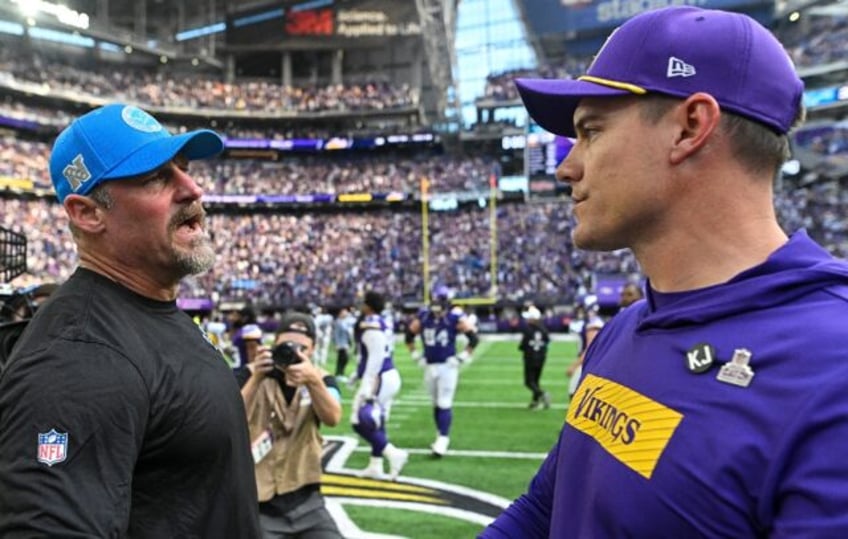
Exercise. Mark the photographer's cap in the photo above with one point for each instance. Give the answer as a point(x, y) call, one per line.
point(294, 322)
point(679, 51)
point(119, 141)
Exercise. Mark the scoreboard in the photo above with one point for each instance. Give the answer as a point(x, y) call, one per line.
point(273, 23)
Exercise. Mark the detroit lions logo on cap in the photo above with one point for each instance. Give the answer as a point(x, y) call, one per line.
point(140, 120)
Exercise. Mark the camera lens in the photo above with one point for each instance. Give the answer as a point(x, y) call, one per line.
point(285, 353)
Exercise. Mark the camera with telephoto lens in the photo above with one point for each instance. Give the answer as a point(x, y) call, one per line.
point(285, 354)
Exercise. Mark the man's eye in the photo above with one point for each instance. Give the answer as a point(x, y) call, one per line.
point(155, 178)
point(588, 133)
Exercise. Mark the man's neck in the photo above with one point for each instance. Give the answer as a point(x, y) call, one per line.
point(700, 257)
point(139, 283)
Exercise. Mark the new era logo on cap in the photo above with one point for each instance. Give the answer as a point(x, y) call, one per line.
point(679, 68)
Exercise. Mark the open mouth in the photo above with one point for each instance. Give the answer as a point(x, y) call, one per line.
point(192, 222)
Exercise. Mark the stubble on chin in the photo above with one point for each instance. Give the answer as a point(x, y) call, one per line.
point(199, 259)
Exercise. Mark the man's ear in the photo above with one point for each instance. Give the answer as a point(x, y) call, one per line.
point(85, 213)
point(697, 118)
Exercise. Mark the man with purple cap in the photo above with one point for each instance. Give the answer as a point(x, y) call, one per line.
point(702, 411)
point(118, 417)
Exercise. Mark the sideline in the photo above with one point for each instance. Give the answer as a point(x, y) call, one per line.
point(342, 486)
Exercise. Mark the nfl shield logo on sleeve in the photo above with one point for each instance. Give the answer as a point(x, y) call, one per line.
point(52, 447)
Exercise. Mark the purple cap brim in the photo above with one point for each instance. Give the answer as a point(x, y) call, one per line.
point(194, 145)
point(551, 102)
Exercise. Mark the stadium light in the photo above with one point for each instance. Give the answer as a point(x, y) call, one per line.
point(61, 37)
point(64, 14)
point(27, 9)
point(199, 32)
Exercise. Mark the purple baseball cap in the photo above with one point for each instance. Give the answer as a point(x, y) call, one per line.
point(679, 51)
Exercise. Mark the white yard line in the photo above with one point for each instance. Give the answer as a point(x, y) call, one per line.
point(470, 453)
point(418, 399)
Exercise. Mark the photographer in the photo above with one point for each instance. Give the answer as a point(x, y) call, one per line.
point(287, 397)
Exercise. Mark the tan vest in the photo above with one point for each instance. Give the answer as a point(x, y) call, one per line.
point(295, 457)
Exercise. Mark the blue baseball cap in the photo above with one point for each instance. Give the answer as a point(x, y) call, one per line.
point(679, 51)
point(119, 141)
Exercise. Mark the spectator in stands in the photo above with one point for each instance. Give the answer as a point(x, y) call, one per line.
point(287, 398)
point(117, 416)
point(681, 125)
point(150, 87)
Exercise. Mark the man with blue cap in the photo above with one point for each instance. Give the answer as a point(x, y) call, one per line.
point(118, 417)
point(716, 407)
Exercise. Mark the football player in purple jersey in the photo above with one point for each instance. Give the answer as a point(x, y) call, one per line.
point(716, 407)
point(439, 324)
point(379, 383)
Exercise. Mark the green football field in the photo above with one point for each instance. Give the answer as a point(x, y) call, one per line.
point(497, 444)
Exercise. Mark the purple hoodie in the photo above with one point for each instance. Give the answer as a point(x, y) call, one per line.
point(658, 443)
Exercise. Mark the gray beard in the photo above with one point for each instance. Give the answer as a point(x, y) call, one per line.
point(199, 260)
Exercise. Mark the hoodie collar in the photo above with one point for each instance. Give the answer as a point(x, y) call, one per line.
point(798, 267)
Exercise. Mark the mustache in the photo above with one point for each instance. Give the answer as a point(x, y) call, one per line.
point(194, 212)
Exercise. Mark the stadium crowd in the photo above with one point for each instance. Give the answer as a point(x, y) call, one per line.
point(816, 40)
point(331, 258)
point(325, 258)
point(356, 174)
point(26, 159)
point(178, 90)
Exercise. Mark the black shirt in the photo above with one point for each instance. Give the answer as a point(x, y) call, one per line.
point(534, 342)
point(156, 442)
